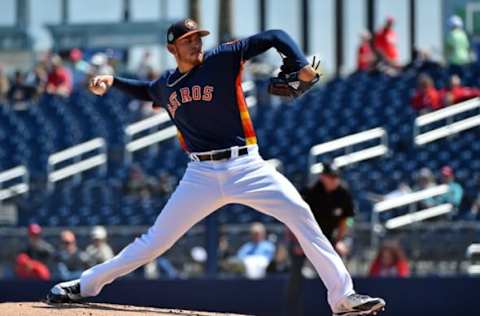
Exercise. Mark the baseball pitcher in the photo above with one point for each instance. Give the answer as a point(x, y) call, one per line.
point(204, 99)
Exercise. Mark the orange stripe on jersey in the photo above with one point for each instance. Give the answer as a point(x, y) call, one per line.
point(250, 137)
point(181, 140)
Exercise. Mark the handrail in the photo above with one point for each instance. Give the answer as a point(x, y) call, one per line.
point(346, 142)
point(76, 150)
point(418, 216)
point(78, 165)
point(409, 198)
point(451, 127)
point(16, 189)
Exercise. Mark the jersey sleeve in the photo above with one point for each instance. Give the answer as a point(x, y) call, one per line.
point(259, 43)
point(348, 205)
point(136, 88)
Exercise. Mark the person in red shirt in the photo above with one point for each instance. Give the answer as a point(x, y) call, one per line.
point(426, 96)
point(386, 41)
point(457, 93)
point(365, 54)
point(390, 262)
point(59, 78)
point(27, 268)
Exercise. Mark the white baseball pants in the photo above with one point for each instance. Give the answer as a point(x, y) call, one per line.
point(205, 187)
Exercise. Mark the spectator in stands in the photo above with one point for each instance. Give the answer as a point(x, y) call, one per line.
point(426, 97)
point(365, 53)
point(332, 206)
point(37, 248)
point(421, 62)
point(280, 262)
point(138, 184)
point(100, 65)
point(390, 262)
point(71, 261)
point(256, 254)
point(456, 93)
point(4, 84)
point(59, 81)
point(385, 43)
point(425, 180)
point(455, 190)
point(78, 66)
point(145, 67)
point(165, 184)
point(475, 209)
point(99, 250)
point(19, 93)
point(27, 268)
point(457, 46)
point(37, 79)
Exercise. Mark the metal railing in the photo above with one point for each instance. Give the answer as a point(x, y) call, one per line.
point(346, 143)
point(14, 189)
point(412, 216)
point(150, 139)
point(79, 165)
point(422, 138)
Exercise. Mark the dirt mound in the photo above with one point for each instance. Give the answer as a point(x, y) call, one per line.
point(93, 309)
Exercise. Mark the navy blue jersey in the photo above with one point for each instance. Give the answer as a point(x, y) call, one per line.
point(207, 103)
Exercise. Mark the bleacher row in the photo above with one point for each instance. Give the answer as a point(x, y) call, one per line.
point(339, 107)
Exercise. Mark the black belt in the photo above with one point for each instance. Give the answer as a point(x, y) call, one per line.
point(221, 155)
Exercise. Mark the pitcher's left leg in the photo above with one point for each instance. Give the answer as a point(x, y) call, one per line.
point(263, 188)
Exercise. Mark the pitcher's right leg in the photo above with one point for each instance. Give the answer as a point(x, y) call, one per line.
point(196, 196)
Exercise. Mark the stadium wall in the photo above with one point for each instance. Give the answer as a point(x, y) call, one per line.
point(414, 296)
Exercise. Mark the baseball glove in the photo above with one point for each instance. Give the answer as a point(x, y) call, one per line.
point(287, 83)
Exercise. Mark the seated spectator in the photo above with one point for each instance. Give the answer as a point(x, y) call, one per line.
point(4, 84)
point(37, 248)
point(365, 54)
point(165, 184)
point(424, 179)
point(421, 62)
point(71, 261)
point(455, 191)
point(59, 81)
point(257, 253)
point(475, 208)
point(20, 93)
point(456, 93)
point(138, 184)
point(280, 262)
point(426, 97)
point(457, 46)
point(78, 67)
point(100, 65)
point(99, 250)
point(37, 79)
point(390, 262)
point(27, 268)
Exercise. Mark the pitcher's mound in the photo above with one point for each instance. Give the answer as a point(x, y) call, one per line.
point(93, 309)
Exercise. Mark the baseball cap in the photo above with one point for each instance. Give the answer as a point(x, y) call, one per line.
point(34, 229)
point(98, 232)
point(330, 169)
point(447, 171)
point(183, 28)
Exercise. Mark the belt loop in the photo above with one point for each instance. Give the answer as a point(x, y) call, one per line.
point(234, 152)
point(194, 157)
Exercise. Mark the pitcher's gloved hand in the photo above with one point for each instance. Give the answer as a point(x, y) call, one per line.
point(288, 82)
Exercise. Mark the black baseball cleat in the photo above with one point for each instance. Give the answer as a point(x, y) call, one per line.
point(356, 304)
point(65, 292)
